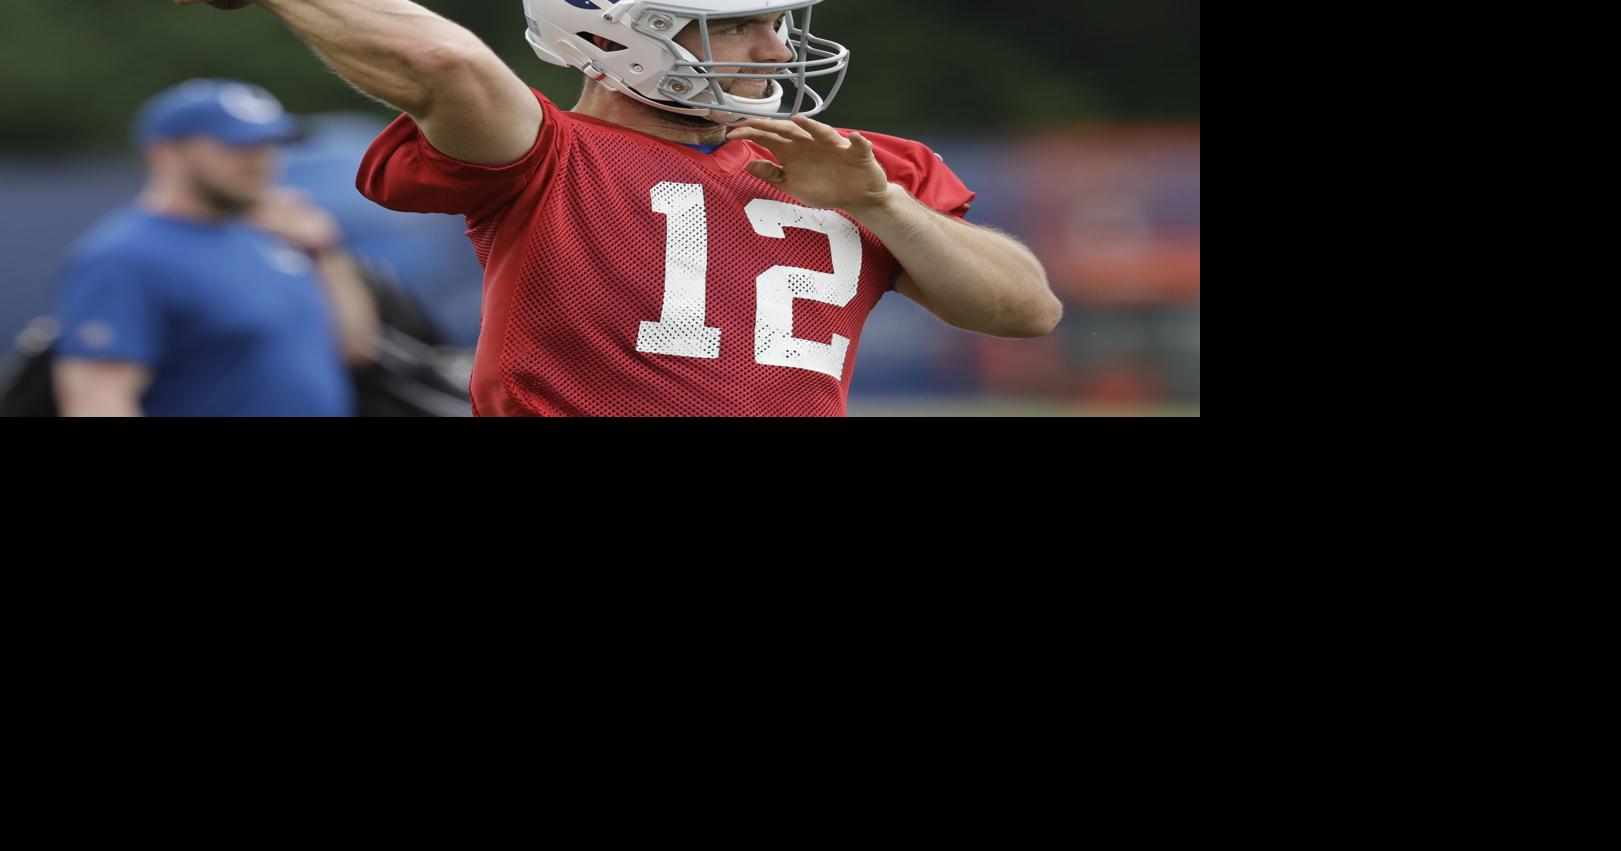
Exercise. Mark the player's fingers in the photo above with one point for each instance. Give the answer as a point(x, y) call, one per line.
point(818, 131)
point(770, 141)
point(767, 171)
point(785, 129)
point(860, 145)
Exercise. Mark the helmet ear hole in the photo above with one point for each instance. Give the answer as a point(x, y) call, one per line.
point(603, 43)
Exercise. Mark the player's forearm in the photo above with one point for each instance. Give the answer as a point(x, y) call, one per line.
point(973, 278)
point(394, 50)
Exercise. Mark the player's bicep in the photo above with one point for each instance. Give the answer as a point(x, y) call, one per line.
point(481, 114)
point(88, 388)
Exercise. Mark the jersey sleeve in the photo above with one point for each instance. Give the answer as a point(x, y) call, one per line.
point(403, 172)
point(923, 173)
point(110, 309)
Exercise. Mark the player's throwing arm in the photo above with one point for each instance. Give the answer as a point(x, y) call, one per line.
point(469, 104)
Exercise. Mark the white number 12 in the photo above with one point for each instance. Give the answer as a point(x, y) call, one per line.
point(682, 330)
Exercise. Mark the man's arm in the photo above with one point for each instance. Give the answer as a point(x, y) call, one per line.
point(469, 104)
point(975, 278)
point(288, 213)
point(86, 388)
point(978, 279)
point(359, 326)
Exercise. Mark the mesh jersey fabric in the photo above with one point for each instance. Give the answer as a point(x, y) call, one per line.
point(629, 276)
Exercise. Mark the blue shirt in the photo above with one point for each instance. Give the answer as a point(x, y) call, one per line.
point(232, 322)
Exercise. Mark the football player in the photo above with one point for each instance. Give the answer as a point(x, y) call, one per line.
point(688, 240)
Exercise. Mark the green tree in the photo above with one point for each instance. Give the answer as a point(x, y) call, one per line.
point(72, 74)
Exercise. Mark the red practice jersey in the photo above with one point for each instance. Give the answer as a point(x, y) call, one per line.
point(629, 276)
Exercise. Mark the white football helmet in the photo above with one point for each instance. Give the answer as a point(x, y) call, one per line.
point(656, 71)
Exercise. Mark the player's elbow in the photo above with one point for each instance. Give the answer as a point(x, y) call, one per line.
point(1039, 312)
point(1027, 307)
point(443, 59)
point(1038, 320)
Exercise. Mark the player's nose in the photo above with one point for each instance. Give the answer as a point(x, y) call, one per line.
point(769, 48)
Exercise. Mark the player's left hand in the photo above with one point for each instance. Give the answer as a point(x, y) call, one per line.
point(818, 166)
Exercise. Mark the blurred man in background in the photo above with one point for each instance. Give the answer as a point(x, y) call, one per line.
point(215, 294)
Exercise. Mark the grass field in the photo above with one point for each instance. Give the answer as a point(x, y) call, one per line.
point(911, 407)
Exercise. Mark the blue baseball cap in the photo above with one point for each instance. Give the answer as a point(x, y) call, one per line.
point(229, 111)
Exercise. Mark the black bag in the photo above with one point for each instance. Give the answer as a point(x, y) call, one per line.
point(416, 374)
point(26, 386)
